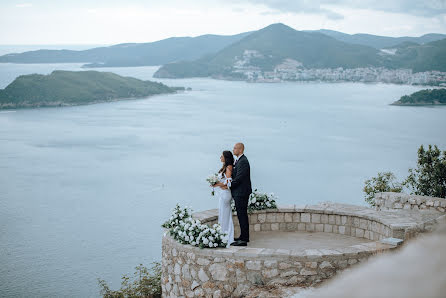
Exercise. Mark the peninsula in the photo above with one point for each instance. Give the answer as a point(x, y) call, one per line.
point(68, 88)
point(423, 97)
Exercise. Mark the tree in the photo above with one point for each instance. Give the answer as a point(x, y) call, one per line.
point(384, 182)
point(429, 178)
point(146, 283)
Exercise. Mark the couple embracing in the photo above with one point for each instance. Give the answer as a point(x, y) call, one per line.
point(234, 183)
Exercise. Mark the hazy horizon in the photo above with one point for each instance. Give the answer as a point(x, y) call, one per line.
point(134, 21)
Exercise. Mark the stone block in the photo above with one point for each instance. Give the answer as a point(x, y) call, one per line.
point(280, 217)
point(343, 220)
point(359, 233)
point(269, 273)
point(261, 217)
point(282, 226)
point(305, 271)
point(288, 217)
point(202, 275)
point(332, 219)
point(325, 265)
point(324, 218)
point(253, 265)
point(265, 227)
point(203, 262)
point(284, 265)
point(328, 228)
point(257, 227)
point(338, 220)
point(309, 227)
point(363, 223)
point(305, 217)
point(274, 227)
point(253, 218)
point(319, 227)
point(342, 230)
point(296, 217)
point(293, 226)
point(270, 263)
point(316, 218)
point(271, 217)
point(301, 227)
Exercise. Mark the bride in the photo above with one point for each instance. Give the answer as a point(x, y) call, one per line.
point(224, 196)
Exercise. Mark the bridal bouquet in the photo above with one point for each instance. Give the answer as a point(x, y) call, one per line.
point(212, 180)
point(187, 230)
point(259, 201)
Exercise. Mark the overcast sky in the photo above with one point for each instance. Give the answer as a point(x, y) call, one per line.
point(117, 21)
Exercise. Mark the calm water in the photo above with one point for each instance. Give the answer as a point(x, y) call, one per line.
point(83, 190)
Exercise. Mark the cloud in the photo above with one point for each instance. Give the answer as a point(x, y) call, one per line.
point(426, 8)
point(23, 5)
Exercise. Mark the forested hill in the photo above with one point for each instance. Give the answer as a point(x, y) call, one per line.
point(66, 88)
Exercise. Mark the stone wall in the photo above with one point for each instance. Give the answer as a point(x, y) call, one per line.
point(394, 200)
point(190, 271)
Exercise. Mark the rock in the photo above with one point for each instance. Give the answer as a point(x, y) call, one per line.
point(203, 262)
point(283, 265)
point(270, 264)
point(177, 269)
point(325, 265)
point(268, 273)
point(217, 294)
point(186, 272)
point(218, 272)
point(253, 265)
point(304, 271)
point(202, 275)
point(194, 285)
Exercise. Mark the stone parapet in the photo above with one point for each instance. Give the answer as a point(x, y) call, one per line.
point(401, 201)
point(189, 271)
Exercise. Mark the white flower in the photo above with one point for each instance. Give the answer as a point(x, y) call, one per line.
point(193, 243)
point(211, 244)
point(215, 244)
point(205, 241)
point(186, 238)
point(211, 238)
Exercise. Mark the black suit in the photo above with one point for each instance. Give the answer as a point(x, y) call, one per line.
point(241, 189)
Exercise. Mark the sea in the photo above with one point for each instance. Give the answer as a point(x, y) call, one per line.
point(84, 189)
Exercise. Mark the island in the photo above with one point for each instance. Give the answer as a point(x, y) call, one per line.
point(69, 88)
point(423, 97)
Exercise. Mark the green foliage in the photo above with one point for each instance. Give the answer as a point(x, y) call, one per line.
point(74, 88)
point(429, 178)
point(146, 283)
point(384, 182)
point(424, 97)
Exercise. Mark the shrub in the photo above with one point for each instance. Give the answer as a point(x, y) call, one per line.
point(384, 182)
point(146, 283)
point(429, 178)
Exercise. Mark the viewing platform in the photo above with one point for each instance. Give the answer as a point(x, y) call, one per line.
point(294, 245)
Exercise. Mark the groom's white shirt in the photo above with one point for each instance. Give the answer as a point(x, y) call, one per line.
point(236, 158)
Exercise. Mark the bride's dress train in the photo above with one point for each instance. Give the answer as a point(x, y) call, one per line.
point(224, 208)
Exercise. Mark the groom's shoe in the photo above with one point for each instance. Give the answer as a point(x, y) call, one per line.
point(238, 238)
point(239, 243)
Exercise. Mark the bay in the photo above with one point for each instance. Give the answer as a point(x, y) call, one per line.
point(84, 189)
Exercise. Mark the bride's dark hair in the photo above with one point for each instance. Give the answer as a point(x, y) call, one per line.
point(229, 160)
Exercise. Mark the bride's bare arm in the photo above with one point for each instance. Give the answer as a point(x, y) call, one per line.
point(228, 176)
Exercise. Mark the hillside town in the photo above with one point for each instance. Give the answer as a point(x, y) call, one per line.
point(292, 70)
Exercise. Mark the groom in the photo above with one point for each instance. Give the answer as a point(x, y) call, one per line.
point(241, 189)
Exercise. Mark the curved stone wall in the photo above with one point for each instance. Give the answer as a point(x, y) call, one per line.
point(190, 271)
point(394, 200)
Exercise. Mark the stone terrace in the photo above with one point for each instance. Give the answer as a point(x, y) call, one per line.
point(346, 234)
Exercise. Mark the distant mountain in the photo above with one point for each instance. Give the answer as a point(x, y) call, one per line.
point(66, 88)
point(379, 42)
point(419, 58)
point(423, 97)
point(131, 54)
point(270, 46)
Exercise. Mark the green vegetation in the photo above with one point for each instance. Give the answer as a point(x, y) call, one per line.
point(428, 179)
point(62, 88)
point(146, 283)
point(424, 97)
point(384, 182)
point(276, 43)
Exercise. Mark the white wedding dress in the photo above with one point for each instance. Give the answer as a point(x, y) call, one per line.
point(224, 208)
